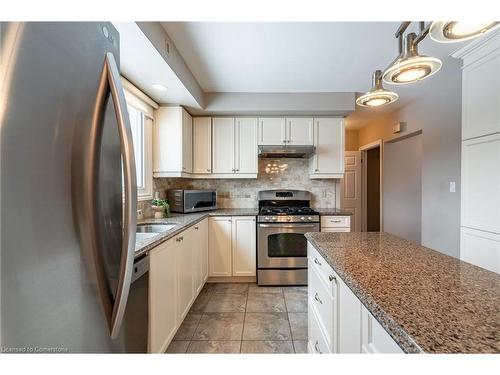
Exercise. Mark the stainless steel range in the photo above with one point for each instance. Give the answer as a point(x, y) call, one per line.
point(284, 217)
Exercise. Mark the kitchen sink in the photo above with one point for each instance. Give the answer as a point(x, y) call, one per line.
point(154, 228)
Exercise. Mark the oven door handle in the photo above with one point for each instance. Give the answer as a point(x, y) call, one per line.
point(288, 225)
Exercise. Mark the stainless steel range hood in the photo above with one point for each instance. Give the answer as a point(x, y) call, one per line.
point(297, 152)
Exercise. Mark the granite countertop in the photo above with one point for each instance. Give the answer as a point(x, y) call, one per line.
point(332, 212)
point(183, 222)
point(427, 301)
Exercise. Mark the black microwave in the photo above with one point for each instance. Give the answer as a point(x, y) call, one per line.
point(185, 201)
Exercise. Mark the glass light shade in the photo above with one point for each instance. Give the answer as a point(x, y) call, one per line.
point(377, 96)
point(411, 66)
point(458, 31)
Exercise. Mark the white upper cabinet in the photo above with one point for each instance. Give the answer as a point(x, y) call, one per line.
point(481, 86)
point(202, 145)
point(172, 143)
point(246, 158)
point(234, 147)
point(271, 131)
point(299, 131)
point(328, 160)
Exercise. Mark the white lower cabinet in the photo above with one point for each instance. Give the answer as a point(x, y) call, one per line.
point(163, 319)
point(338, 321)
point(335, 223)
point(232, 246)
point(480, 248)
point(177, 273)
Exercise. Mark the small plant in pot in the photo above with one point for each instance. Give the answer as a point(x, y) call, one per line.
point(160, 207)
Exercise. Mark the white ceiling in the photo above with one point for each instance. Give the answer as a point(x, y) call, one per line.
point(142, 65)
point(290, 57)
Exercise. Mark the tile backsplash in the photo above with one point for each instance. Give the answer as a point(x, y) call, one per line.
point(242, 193)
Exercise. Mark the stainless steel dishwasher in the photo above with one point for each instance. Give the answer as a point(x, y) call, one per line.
point(133, 336)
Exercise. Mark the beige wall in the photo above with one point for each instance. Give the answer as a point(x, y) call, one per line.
point(351, 140)
point(437, 112)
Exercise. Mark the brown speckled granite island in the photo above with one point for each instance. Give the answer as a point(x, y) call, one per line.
point(427, 301)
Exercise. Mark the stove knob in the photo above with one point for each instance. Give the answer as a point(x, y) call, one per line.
point(288, 218)
point(302, 218)
point(266, 218)
point(275, 218)
point(309, 218)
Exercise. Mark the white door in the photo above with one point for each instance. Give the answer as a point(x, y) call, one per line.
point(204, 249)
point(187, 142)
point(219, 246)
point(350, 188)
point(328, 160)
point(271, 131)
point(244, 246)
point(223, 145)
point(299, 131)
point(185, 272)
point(481, 183)
point(202, 145)
point(162, 296)
point(246, 145)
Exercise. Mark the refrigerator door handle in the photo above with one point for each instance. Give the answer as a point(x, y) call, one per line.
point(115, 308)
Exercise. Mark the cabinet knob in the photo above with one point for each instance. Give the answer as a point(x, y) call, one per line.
point(332, 278)
point(316, 347)
point(317, 261)
point(316, 297)
point(316, 170)
point(196, 228)
point(208, 169)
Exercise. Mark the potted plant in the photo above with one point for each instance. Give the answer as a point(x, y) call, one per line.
point(160, 207)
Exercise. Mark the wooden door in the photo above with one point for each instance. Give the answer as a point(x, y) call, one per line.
point(350, 188)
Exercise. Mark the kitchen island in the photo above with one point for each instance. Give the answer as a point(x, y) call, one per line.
point(426, 301)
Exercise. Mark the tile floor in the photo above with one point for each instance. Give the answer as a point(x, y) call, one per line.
point(245, 318)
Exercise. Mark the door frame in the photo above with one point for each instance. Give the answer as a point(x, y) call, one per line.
point(377, 143)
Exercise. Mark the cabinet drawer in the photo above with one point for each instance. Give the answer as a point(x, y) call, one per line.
point(321, 298)
point(335, 222)
point(335, 230)
point(316, 340)
point(316, 262)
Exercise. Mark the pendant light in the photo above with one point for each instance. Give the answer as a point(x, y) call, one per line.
point(411, 66)
point(377, 96)
point(458, 31)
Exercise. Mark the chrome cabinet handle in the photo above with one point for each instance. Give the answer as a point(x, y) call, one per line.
point(316, 170)
point(317, 261)
point(336, 221)
point(208, 169)
point(196, 228)
point(332, 278)
point(114, 308)
point(316, 297)
point(316, 347)
point(179, 239)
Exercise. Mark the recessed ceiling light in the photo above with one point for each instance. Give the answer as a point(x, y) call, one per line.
point(377, 96)
point(159, 87)
point(458, 31)
point(411, 66)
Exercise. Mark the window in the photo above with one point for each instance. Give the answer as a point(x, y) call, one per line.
point(141, 125)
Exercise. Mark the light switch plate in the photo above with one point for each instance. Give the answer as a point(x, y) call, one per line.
point(453, 188)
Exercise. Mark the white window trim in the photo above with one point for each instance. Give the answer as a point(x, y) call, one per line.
point(147, 109)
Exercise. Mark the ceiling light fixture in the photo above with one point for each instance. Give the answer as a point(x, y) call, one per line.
point(377, 96)
point(159, 87)
point(411, 66)
point(458, 31)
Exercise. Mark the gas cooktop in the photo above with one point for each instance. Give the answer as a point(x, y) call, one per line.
point(287, 210)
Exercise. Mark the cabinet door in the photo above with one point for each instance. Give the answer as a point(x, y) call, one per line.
point(481, 183)
point(480, 248)
point(374, 338)
point(271, 131)
point(223, 145)
point(187, 142)
point(185, 272)
point(328, 161)
point(163, 319)
point(299, 131)
point(196, 246)
point(219, 246)
point(246, 145)
point(202, 145)
point(244, 246)
point(349, 319)
point(204, 250)
point(481, 93)
point(167, 131)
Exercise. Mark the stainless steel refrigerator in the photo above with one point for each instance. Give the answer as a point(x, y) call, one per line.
point(68, 190)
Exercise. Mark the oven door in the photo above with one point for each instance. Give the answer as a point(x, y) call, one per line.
point(283, 245)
